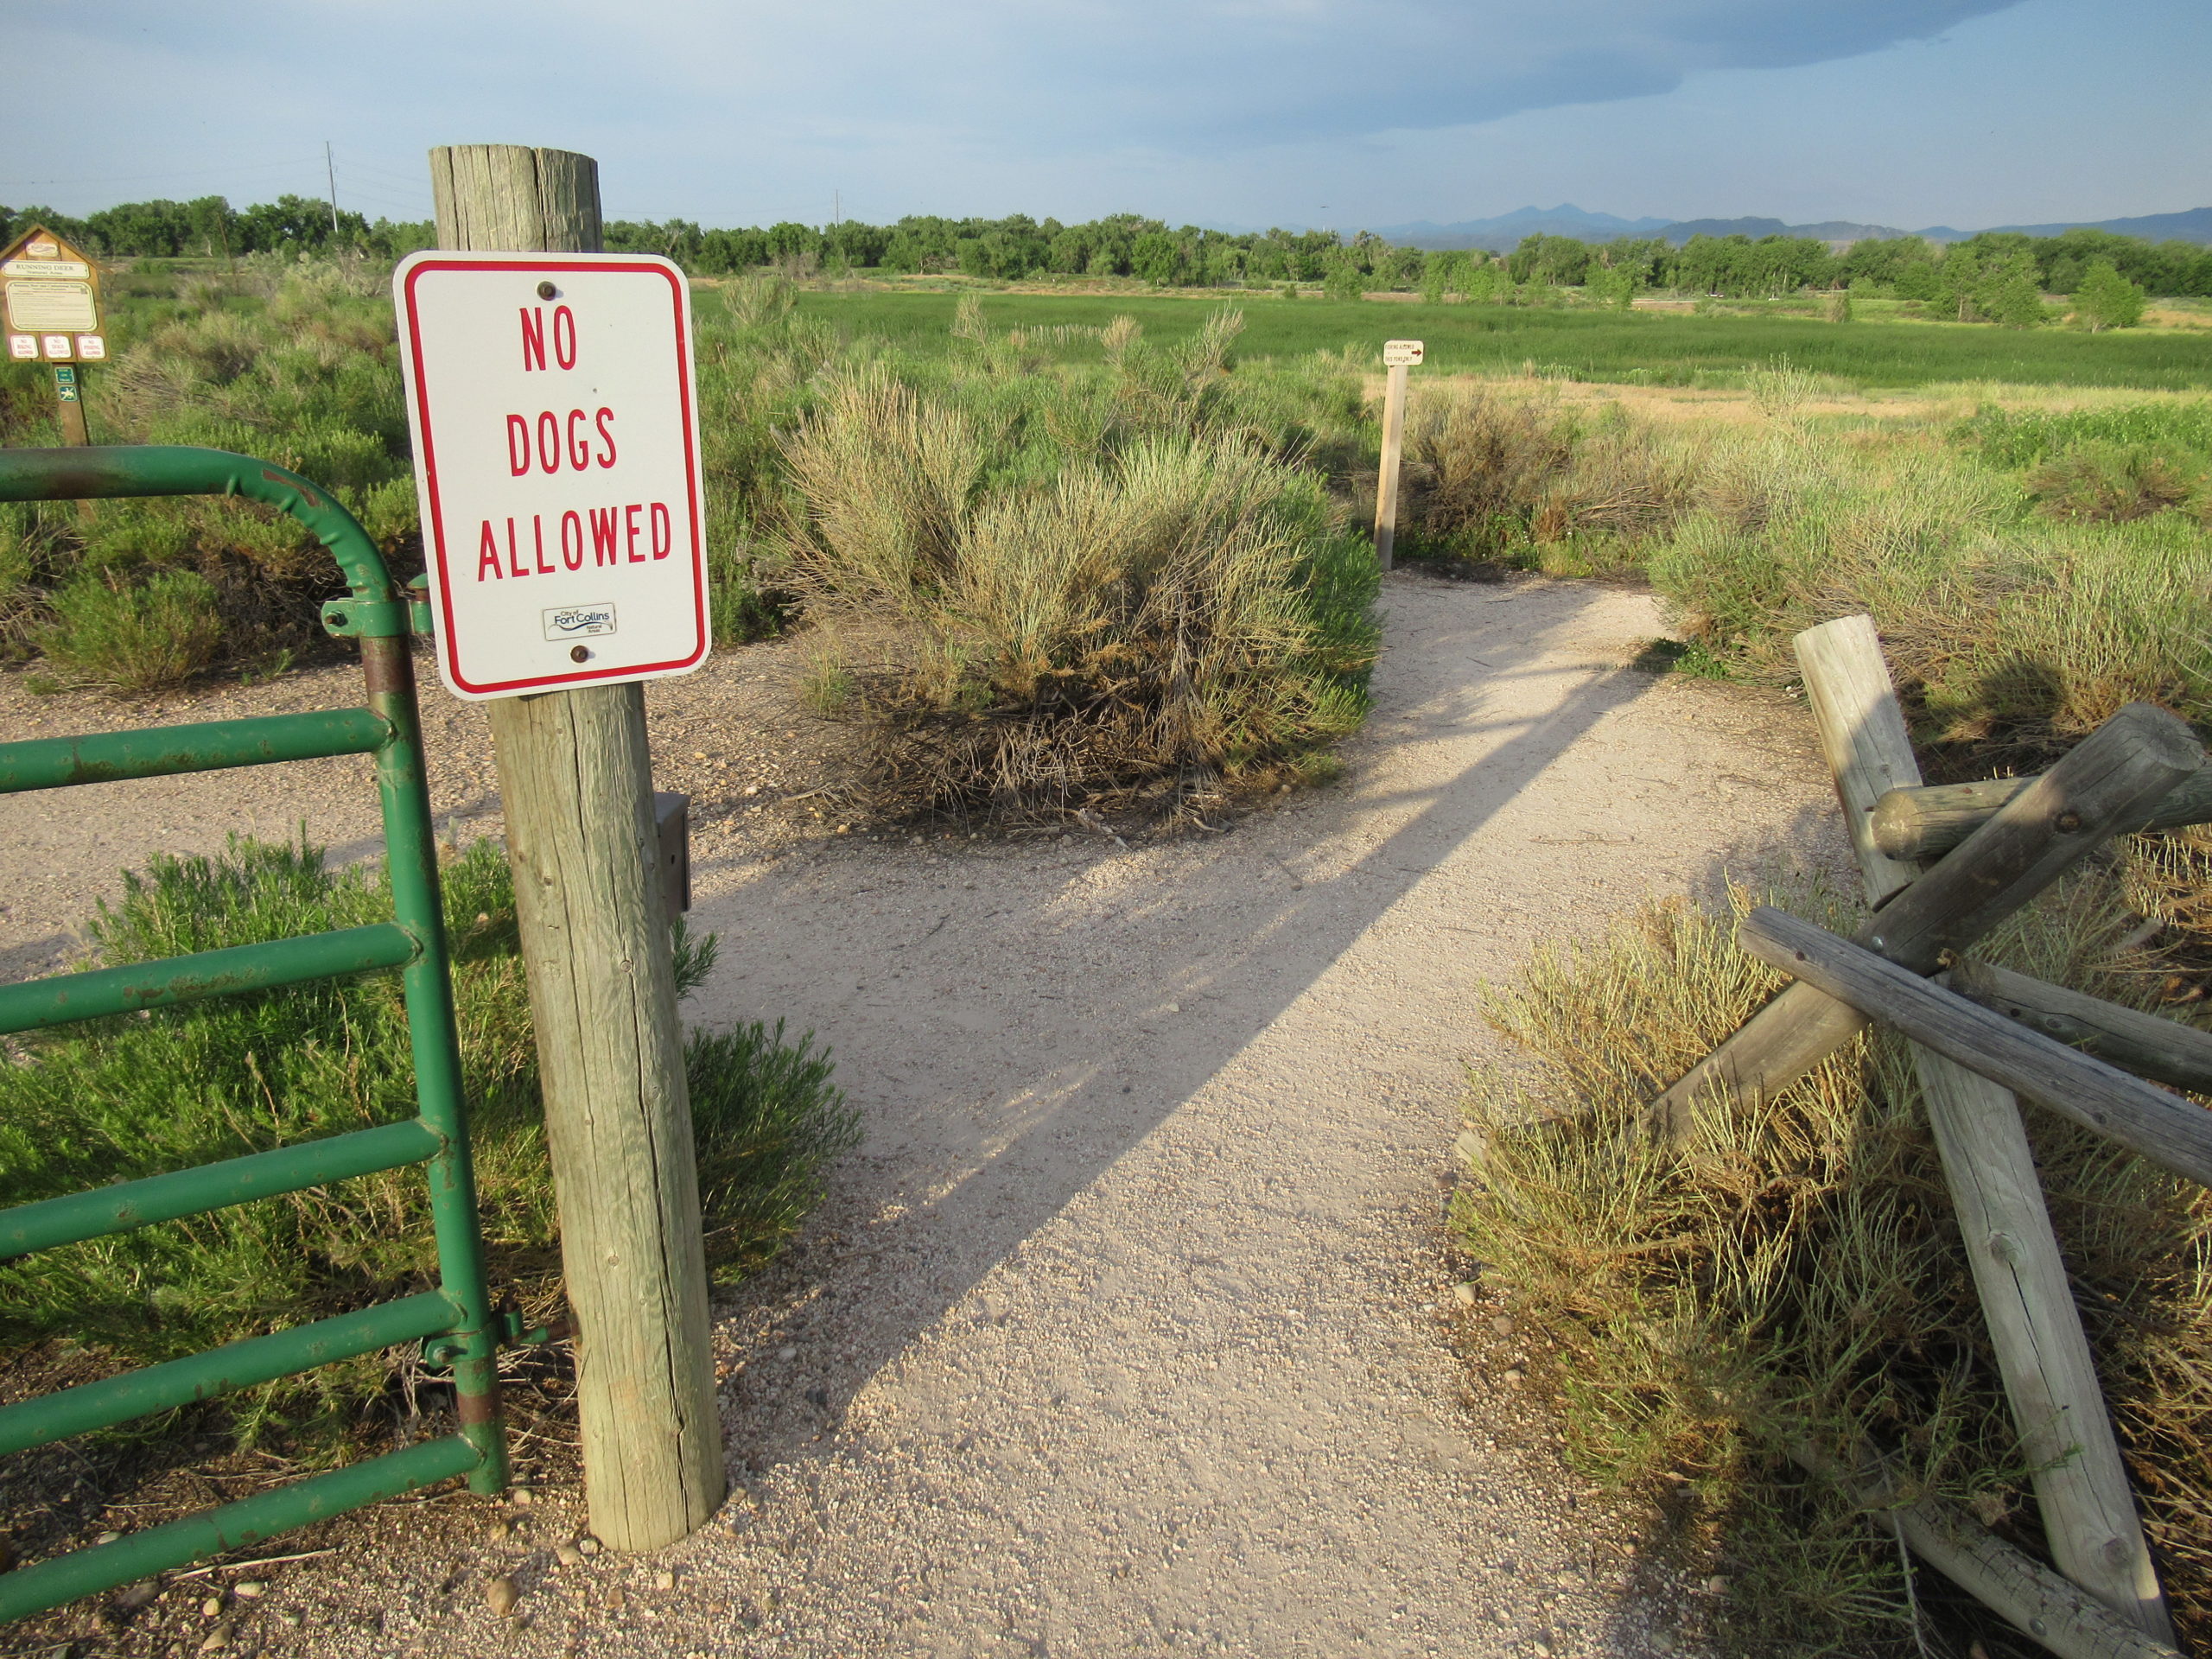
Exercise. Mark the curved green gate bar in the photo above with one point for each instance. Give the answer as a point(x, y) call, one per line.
point(457, 1320)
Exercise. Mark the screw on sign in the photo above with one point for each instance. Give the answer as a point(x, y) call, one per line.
point(557, 444)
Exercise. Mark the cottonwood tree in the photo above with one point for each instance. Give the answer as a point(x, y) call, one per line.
point(2010, 293)
point(2105, 299)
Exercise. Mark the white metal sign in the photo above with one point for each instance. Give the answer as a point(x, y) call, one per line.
point(557, 458)
point(1401, 353)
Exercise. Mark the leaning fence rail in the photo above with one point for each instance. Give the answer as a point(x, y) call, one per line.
point(456, 1322)
point(1981, 1038)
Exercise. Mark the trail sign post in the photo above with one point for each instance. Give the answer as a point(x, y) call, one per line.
point(1398, 356)
point(557, 451)
point(50, 299)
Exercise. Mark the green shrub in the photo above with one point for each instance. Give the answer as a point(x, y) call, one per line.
point(1124, 616)
point(135, 638)
point(2007, 438)
point(131, 1096)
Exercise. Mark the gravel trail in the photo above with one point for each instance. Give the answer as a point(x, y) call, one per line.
point(1131, 1327)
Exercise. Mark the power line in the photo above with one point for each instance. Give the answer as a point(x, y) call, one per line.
point(143, 178)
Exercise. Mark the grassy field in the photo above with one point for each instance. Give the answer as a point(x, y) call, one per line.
point(1637, 348)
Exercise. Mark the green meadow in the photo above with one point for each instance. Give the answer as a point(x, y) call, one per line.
point(1647, 348)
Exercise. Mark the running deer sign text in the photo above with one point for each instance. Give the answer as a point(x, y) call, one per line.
point(557, 457)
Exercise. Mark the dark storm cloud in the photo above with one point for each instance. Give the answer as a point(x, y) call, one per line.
point(1210, 74)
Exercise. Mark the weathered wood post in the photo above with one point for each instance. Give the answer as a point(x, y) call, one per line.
point(1398, 355)
point(575, 783)
point(2089, 1510)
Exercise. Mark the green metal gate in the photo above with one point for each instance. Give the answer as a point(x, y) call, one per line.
point(456, 1322)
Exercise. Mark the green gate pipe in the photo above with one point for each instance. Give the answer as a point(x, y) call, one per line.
point(98, 471)
point(57, 762)
point(127, 1205)
point(61, 998)
point(233, 1526)
point(220, 1370)
point(389, 729)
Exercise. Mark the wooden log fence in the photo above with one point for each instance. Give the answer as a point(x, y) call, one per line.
point(2108, 786)
point(1928, 821)
point(1979, 1034)
point(2027, 1594)
point(2170, 1052)
point(2172, 1133)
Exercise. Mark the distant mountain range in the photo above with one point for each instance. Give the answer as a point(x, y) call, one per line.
point(1503, 233)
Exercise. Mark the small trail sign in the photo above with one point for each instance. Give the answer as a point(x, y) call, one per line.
point(557, 458)
point(1398, 356)
point(50, 297)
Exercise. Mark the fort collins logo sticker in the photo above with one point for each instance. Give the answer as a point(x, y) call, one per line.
point(556, 459)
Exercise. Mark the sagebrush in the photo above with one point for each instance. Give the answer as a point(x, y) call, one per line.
point(176, 1087)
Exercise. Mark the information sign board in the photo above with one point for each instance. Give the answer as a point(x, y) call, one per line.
point(50, 301)
point(557, 460)
point(1401, 353)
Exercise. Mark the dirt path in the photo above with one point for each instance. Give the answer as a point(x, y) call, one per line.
point(1130, 1329)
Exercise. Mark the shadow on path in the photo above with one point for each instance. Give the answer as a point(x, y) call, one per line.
point(1053, 1073)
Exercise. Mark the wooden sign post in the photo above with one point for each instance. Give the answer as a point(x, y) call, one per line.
point(1398, 356)
point(576, 785)
point(50, 297)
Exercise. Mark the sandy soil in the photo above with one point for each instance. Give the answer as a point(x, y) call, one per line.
point(1132, 1327)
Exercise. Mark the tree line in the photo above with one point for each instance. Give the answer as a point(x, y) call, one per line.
point(1994, 277)
point(208, 228)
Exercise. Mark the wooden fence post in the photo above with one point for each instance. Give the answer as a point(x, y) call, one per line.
point(576, 787)
point(2088, 1508)
point(1386, 488)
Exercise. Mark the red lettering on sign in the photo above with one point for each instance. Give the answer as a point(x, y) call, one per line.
point(606, 436)
point(488, 554)
point(664, 538)
point(549, 442)
point(630, 532)
point(572, 552)
point(537, 530)
point(514, 558)
point(518, 445)
point(564, 337)
point(602, 536)
point(579, 448)
point(533, 338)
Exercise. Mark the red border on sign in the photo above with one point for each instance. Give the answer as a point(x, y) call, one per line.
point(429, 462)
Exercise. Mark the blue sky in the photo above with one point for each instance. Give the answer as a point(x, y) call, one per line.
point(1335, 112)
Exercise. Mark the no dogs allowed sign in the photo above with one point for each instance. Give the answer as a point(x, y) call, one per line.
point(557, 457)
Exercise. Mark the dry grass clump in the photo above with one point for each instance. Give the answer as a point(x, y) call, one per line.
point(1496, 474)
point(1796, 1274)
point(2099, 483)
point(1142, 621)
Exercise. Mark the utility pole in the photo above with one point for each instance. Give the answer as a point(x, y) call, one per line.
point(576, 784)
point(330, 172)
